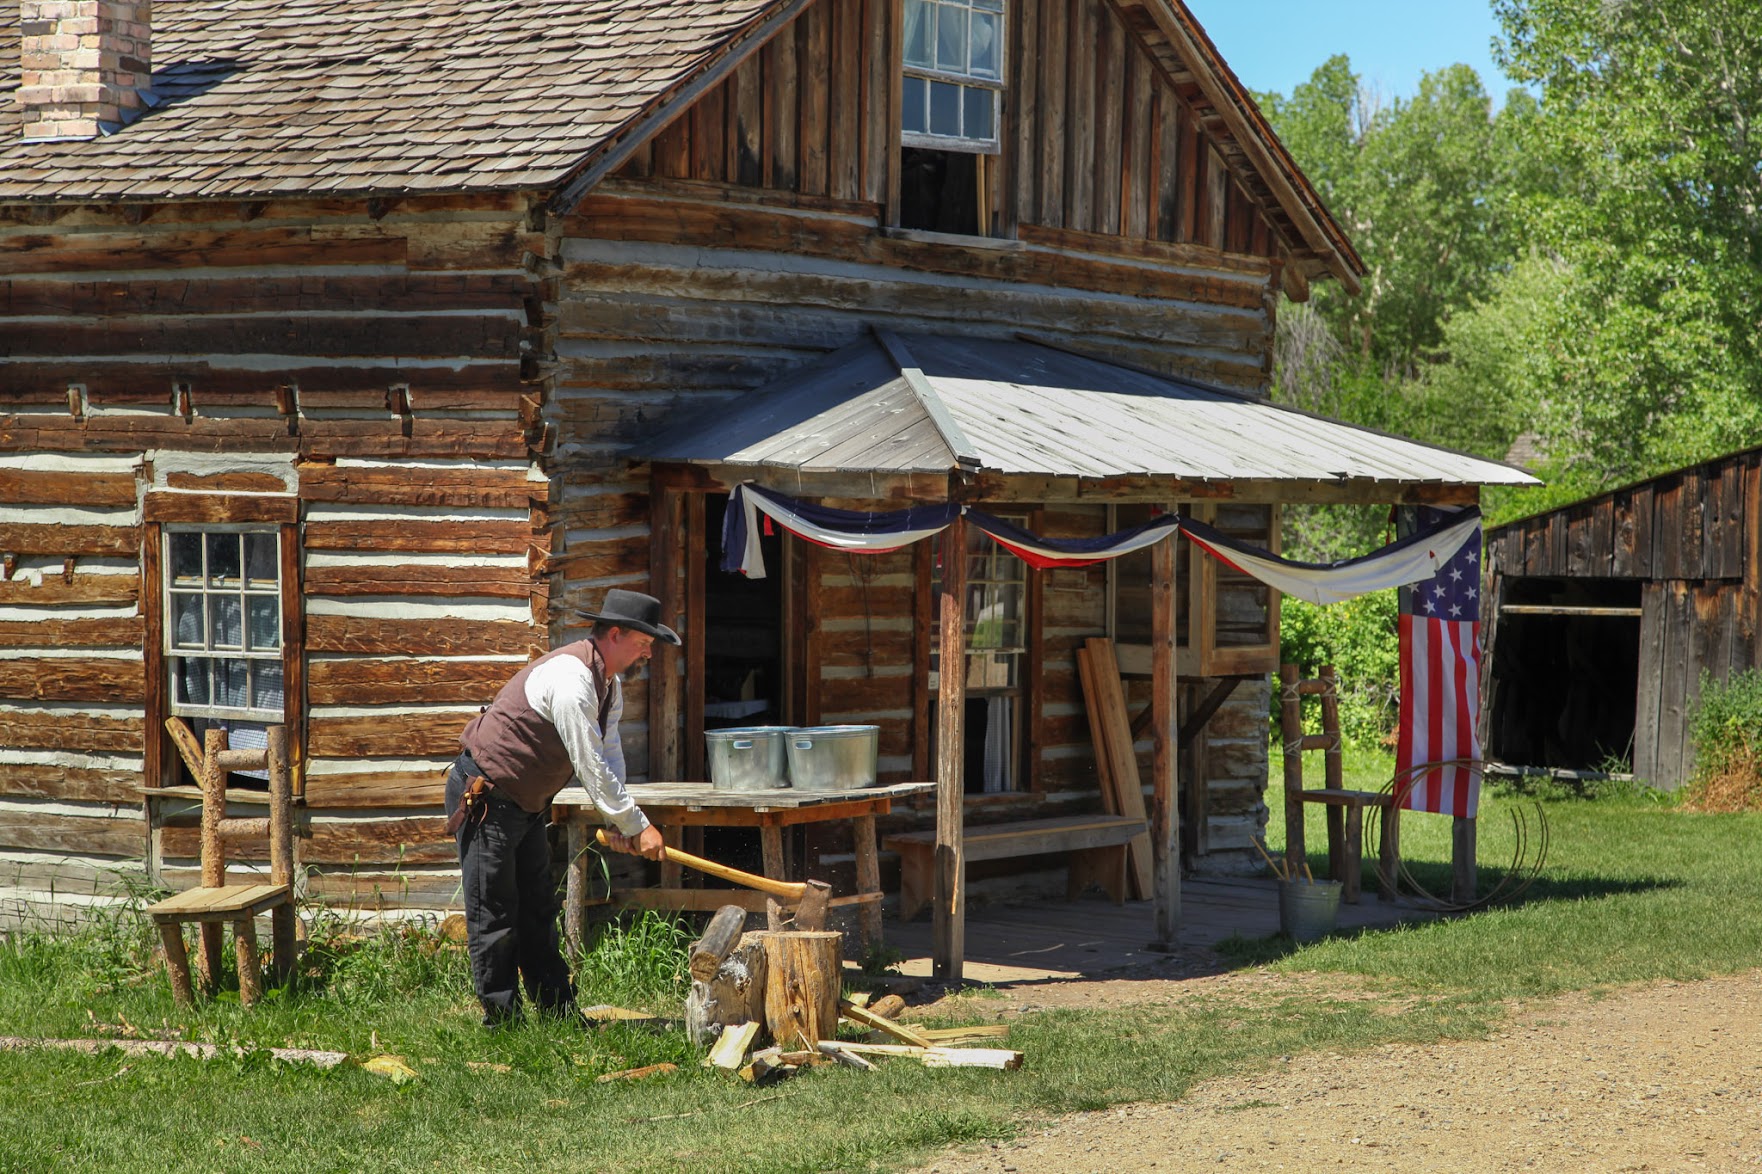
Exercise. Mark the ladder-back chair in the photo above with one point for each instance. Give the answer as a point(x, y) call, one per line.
point(1345, 808)
point(214, 902)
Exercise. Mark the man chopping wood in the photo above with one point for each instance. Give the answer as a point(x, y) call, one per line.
point(556, 719)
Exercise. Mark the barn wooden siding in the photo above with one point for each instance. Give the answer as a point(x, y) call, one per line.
point(227, 362)
point(1690, 539)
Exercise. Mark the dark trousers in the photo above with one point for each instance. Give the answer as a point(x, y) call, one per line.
point(511, 906)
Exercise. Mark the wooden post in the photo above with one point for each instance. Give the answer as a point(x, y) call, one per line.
point(1291, 734)
point(281, 853)
point(868, 868)
point(1164, 723)
point(1463, 878)
point(177, 961)
point(214, 743)
point(244, 933)
point(575, 878)
point(803, 975)
point(693, 617)
point(950, 913)
point(1345, 842)
point(665, 681)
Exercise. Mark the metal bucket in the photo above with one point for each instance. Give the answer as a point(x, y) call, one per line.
point(750, 758)
point(1307, 909)
point(833, 758)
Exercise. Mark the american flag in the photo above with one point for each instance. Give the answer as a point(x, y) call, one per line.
point(1440, 637)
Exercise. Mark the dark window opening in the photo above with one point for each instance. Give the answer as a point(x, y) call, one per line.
point(1564, 684)
point(939, 191)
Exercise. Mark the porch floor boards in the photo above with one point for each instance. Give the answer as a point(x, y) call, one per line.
point(1052, 940)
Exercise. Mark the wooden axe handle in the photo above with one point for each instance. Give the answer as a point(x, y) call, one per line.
point(788, 890)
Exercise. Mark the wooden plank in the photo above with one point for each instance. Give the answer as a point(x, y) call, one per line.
point(394, 735)
point(746, 144)
point(151, 249)
point(72, 783)
point(423, 637)
point(1194, 159)
point(491, 488)
point(844, 95)
point(224, 380)
point(420, 579)
point(950, 908)
point(1648, 702)
point(343, 844)
point(55, 538)
point(56, 590)
point(114, 632)
point(66, 679)
point(879, 99)
point(1111, 89)
point(63, 487)
point(1128, 796)
point(1138, 175)
point(1679, 675)
point(666, 688)
point(491, 335)
point(420, 537)
point(709, 135)
point(1053, 86)
point(33, 830)
point(1080, 121)
point(414, 682)
point(924, 713)
point(814, 81)
point(696, 537)
point(208, 508)
point(174, 293)
point(782, 110)
point(377, 789)
point(1019, 180)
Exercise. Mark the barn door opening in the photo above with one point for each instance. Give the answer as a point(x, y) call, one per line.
point(1564, 678)
point(743, 633)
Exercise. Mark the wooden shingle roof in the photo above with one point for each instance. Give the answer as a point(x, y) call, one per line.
point(321, 97)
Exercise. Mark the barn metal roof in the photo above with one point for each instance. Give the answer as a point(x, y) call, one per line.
point(907, 404)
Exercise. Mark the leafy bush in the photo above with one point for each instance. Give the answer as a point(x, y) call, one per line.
point(1727, 732)
point(1358, 638)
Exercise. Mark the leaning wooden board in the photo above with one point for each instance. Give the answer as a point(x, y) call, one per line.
point(1106, 702)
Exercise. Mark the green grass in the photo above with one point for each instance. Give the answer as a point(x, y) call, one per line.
point(1634, 889)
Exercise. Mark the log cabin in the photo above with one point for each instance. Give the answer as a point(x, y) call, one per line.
point(344, 353)
point(1608, 612)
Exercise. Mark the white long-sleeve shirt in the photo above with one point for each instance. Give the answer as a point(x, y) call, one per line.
point(562, 691)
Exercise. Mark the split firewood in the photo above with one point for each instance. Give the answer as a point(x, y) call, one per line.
point(869, 1019)
point(642, 1073)
point(766, 1064)
point(734, 995)
point(887, 1006)
point(949, 1035)
point(859, 1048)
point(804, 1059)
point(843, 1055)
point(731, 1048)
point(972, 1058)
point(720, 937)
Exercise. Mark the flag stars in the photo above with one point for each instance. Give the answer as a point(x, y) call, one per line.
point(1455, 611)
point(1431, 608)
point(1438, 591)
point(1455, 575)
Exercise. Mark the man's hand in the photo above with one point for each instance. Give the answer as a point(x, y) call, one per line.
point(647, 843)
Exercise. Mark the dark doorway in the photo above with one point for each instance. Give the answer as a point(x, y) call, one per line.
point(743, 633)
point(1564, 677)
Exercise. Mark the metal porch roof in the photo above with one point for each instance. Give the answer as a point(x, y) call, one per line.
point(935, 403)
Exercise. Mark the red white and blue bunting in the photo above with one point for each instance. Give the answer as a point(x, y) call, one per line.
point(1416, 557)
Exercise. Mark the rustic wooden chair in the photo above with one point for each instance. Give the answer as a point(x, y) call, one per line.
point(1345, 807)
point(214, 903)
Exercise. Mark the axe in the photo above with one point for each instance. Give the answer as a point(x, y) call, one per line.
point(811, 898)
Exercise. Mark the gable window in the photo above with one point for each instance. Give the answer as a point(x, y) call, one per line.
point(953, 74)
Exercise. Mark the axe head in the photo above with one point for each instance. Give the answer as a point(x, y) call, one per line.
point(810, 911)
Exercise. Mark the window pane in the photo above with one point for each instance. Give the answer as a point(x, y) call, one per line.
point(945, 109)
point(186, 559)
point(261, 561)
point(265, 626)
point(225, 629)
point(229, 682)
point(951, 38)
point(919, 16)
point(265, 685)
point(988, 5)
point(223, 559)
point(191, 676)
point(186, 621)
point(984, 47)
point(980, 106)
point(916, 117)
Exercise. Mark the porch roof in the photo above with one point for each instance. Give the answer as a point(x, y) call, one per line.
point(935, 404)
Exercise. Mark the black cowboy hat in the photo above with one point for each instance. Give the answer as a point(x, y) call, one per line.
point(633, 610)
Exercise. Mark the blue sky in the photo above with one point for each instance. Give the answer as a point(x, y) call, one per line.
point(1275, 44)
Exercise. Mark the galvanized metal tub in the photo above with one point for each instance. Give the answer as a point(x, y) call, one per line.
point(1307, 909)
point(750, 758)
point(833, 758)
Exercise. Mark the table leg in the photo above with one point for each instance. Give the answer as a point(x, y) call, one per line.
point(671, 871)
point(575, 879)
point(868, 861)
point(771, 848)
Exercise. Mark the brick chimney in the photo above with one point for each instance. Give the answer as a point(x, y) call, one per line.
point(87, 66)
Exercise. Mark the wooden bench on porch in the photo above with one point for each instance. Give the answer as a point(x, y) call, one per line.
point(1096, 843)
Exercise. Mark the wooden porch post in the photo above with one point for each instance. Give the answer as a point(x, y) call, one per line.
point(951, 906)
point(1165, 820)
point(666, 677)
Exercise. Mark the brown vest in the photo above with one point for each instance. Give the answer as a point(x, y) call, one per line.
point(521, 752)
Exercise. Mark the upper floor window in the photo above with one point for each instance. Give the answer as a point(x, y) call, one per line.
point(953, 74)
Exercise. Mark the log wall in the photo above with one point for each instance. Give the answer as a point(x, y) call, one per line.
point(1689, 539)
point(351, 372)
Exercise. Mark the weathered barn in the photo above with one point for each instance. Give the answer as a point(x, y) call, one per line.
point(1608, 611)
point(328, 357)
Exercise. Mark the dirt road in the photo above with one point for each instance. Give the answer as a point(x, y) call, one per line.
point(1663, 1077)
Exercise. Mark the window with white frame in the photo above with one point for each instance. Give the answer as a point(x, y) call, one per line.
point(953, 74)
point(223, 623)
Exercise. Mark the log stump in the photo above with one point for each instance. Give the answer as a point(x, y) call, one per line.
point(734, 995)
point(804, 974)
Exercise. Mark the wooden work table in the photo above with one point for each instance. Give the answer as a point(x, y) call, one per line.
point(673, 807)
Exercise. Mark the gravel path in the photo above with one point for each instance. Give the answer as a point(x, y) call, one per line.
point(1661, 1077)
